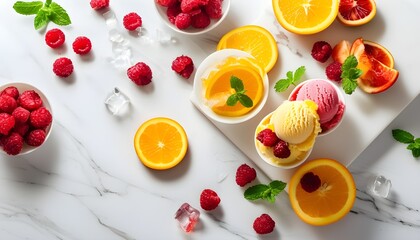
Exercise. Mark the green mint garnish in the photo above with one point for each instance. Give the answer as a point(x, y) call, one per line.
point(239, 95)
point(266, 192)
point(349, 74)
point(292, 78)
point(408, 138)
point(44, 12)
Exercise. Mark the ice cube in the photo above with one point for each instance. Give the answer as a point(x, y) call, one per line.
point(116, 101)
point(164, 37)
point(187, 217)
point(379, 186)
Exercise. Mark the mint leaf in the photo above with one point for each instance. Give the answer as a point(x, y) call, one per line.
point(282, 84)
point(299, 74)
point(41, 19)
point(402, 136)
point(245, 100)
point(416, 152)
point(58, 15)
point(349, 74)
point(266, 192)
point(350, 62)
point(232, 100)
point(292, 78)
point(256, 192)
point(278, 185)
point(239, 94)
point(236, 84)
point(348, 85)
point(27, 8)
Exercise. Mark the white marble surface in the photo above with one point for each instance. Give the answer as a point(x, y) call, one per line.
point(86, 182)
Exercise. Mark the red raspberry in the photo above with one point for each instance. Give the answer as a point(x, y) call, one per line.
point(35, 137)
point(132, 21)
point(7, 104)
point(30, 100)
point(333, 71)
point(264, 224)
point(167, 3)
point(183, 65)
point(21, 115)
point(55, 38)
point(13, 144)
point(63, 67)
point(40, 118)
point(82, 45)
point(281, 150)
point(188, 6)
point(11, 91)
point(172, 12)
point(245, 174)
point(209, 199)
point(267, 137)
point(140, 74)
point(310, 182)
point(321, 51)
point(98, 4)
point(7, 122)
point(21, 128)
point(201, 20)
point(214, 9)
point(183, 20)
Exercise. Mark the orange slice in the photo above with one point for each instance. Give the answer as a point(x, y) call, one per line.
point(254, 40)
point(379, 52)
point(303, 16)
point(160, 143)
point(356, 12)
point(331, 201)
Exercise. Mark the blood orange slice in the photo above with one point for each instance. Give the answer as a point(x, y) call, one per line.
point(379, 52)
point(356, 12)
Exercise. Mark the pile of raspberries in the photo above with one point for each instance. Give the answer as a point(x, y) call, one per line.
point(23, 119)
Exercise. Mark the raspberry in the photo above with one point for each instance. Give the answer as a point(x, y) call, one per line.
point(13, 144)
point(21, 128)
point(209, 199)
point(267, 137)
point(63, 67)
point(183, 20)
point(321, 51)
point(55, 38)
point(7, 104)
point(333, 71)
point(183, 65)
point(30, 100)
point(188, 6)
point(245, 174)
point(7, 122)
point(214, 9)
point(264, 224)
point(172, 12)
point(11, 91)
point(82, 45)
point(201, 20)
point(98, 4)
point(35, 137)
point(167, 3)
point(310, 182)
point(132, 21)
point(40, 118)
point(281, 150)
point(21, 115)
point(140, 74)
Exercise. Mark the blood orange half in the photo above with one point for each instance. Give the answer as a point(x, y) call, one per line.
point(356, 12)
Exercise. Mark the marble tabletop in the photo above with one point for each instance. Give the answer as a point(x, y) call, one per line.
point(86, 182)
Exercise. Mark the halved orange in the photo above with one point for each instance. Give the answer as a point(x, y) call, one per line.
point(356, 12)
point(331, 201)
point(160, 143)
point(303, 16)
point(254, 40)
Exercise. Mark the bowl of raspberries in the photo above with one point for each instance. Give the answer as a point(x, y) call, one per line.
point(192, 17)
point(25, 118)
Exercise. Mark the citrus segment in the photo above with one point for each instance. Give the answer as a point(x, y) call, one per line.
point(254, 40)
point(331, 201)
point(305, 16)
point(379, 52)
point(160, 143)
point(356, 12)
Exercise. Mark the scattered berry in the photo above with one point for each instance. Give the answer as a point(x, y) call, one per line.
point(98, 4)
point(35, 137)
point(63, 67)
point(310, 182)
point(245, 174)
point(183, 65)
point(267, 137)
point(132, 21)
point(82, 45)
point(40, 118)
point(321, 51)
point(13, 144)
point(209, 199)
point(201, 20)
point(172, 12)
point(333, 71)
point(21, 128)
point(21, 115)
point(264, 224)
point(214, 9)
point(30, 100)
point(140, 74)
point(183, 20)
point(55, 38)
point(281, 150)
point(11, 91)
point(167, 3)
point(7, 122)
point(188, 6)
point(7, 104)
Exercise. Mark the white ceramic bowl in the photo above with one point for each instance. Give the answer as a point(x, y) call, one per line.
point(23, 87)
point(209, 63)
point(193, 31)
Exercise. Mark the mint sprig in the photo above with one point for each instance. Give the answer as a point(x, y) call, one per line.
point(239, 95)
point(292, 78)
point(349, 74)
point(405, 137)
point(266, 192)
point(44, 12)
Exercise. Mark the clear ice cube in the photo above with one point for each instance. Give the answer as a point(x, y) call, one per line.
point(116, 101)
point(379, 186)
point(187, 217)
point(164, 37)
